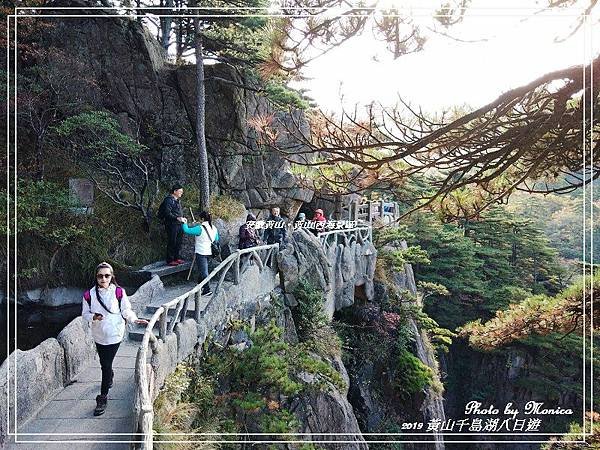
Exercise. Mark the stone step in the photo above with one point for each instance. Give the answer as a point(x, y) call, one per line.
point(161, 268)
point(136, 332)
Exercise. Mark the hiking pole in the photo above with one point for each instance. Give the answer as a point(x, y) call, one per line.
point(191, 267)
point(194, 258)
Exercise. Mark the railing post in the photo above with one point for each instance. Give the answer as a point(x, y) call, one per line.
point(163, 325)
point(382, 209)
point(198, 299)
point(186, 303)
point(370, 212)
point(236, 273)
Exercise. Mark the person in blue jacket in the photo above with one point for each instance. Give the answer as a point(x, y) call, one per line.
point(206, 233)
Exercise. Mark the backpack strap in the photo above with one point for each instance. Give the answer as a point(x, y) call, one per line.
point(119, 294)
point(208, 234)
point(88, 298)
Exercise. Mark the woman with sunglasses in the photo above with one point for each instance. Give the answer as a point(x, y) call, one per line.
point(107, 307)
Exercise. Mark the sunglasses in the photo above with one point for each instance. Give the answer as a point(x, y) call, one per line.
point(103, 275)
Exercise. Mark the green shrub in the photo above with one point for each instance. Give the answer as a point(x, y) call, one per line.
point(308, 315)
point(412, 376)
point(283, 96)
point(281, 421)
point(226, 208)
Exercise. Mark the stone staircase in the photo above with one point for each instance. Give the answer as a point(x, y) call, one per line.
point(136, 332)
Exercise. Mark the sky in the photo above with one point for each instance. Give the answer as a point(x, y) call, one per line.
point(451, 73)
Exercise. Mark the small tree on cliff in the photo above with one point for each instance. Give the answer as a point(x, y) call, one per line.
point(119, 166)
point(230, 39)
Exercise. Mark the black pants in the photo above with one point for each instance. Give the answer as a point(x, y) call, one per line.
point(107, 355)
point(174, 235)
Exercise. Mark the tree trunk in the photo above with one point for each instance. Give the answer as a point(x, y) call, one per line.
point(200, 119)
point(179, 40)
point(166, 27)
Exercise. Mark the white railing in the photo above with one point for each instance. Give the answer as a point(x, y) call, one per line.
point(369, 211)
point(360, 235)
point(144, 412)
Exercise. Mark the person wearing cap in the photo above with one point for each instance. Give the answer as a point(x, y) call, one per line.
point(106, 307)
point(170, 212)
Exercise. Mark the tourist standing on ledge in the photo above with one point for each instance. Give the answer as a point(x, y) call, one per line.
point(206, 233)
point(275, 232)
point(171, 214)
point(107, 307)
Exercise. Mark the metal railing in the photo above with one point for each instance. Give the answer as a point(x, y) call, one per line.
point(263, 255)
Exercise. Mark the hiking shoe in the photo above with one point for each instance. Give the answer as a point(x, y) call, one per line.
point(112, 376)
point(173, 263)
point(180, 261)
point(100, 405)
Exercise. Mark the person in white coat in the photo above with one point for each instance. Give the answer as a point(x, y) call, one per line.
point(107, 307)
point(206, 233)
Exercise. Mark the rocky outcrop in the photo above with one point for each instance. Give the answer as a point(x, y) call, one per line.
point(61, 296)
point(146, 294)
point(374, 393)
point(77, 341)
point(155, 102)
point(328, 412)
point(337, 270)
point(303, 257)
point(36, 375)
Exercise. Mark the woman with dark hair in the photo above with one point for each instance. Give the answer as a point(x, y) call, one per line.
point(107, 307)
point(247, 234)
point(206, 233)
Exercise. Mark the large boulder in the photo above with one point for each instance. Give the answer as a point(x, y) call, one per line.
point(61, 296)
point(40, 374)
point(163, 361)
point(336, 267)
point(187, 338)
point(328, 411)
point(77, 341)
point(147, 293)
point(304, 257)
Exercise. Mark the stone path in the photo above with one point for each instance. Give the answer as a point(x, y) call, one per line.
point(71, 411)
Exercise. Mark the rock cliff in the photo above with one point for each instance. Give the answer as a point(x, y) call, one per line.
point(154, 101)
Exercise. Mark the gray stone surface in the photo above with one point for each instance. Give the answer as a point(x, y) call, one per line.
point(146, 294)
point(40, 374)
point(61, 296)
point(78, 344)
point(328, 412)
point(70, 410)
point(335, 270)
point(304, 258)
point(163, 361)
point(187, 338)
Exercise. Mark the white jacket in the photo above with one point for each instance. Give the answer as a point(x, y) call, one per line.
point(205, 234)
point(111, 328)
